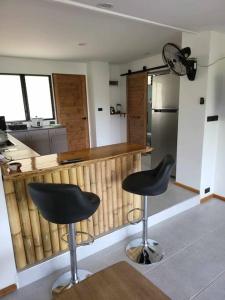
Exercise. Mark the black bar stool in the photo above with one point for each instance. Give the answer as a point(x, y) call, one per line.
point(147, 183)
point(65, 204)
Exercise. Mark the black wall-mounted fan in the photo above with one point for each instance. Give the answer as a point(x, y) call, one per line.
point(178, 60)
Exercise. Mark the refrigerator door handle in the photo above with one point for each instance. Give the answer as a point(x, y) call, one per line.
point(166, 110)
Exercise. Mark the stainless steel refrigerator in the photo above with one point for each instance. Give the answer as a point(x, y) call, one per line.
point(163, 102)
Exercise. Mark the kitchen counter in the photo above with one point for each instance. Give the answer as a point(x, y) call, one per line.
point(36, 128)
point(101, 171)
point(18, 150)
point(36, 164)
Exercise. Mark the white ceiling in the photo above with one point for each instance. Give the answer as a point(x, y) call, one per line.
point(52, 30)
point(194, 15)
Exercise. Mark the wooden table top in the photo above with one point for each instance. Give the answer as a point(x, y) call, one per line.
point(34, 165)
point(117, 282)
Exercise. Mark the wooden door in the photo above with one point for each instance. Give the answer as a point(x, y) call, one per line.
point(137, 108)
point(71, 108)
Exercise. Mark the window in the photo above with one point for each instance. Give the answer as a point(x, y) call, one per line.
point(11, 98)
point(39, 96)
point(23, 97)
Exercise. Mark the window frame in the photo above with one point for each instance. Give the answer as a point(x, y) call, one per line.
point(25, 97)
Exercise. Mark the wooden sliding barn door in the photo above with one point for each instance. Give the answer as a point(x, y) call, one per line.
point(137, 108)
point(71, 108)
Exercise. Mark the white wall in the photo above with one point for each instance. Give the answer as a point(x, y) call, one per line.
point(217, 92)
point(201, 144)
point(116, 96)
point(192, 115)
point(98, 88)
point(8, 274)
point(40, 66)
point(214, 90)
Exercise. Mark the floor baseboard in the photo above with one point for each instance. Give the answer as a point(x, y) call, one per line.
point(219, 197)
point(206, 199)
point(210, 197)
point(9, 289)
point(187, 187)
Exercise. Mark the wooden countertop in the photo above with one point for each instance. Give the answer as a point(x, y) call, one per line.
point(39, 164)
point(19, 150)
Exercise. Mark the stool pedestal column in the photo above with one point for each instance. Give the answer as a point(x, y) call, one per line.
point(73, 254)
point(75, 275)
point(143, 250)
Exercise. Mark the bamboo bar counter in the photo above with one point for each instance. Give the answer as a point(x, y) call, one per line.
point(99, 170)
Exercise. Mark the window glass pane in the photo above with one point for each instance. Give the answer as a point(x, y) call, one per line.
point(39, 96)
point(11, 98)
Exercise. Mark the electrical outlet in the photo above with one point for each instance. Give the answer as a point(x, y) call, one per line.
point(202, 100)
point(207, 190)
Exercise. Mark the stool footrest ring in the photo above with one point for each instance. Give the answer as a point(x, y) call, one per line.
point(89, 241)
point(133, 222)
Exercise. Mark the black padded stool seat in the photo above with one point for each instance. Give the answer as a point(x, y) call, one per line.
point(147, 183)
point(63, 203)
point(152, 182)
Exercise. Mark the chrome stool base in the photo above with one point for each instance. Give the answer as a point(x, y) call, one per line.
point(64, 281)
point(144, 253)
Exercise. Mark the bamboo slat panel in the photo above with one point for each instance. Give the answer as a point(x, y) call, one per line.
point(137, 198)
point(104, 196)
point(87, 188)
point(124, 193)
point(25, 221)
point(35, 225)
point(114, 194)
point(99, 192)
point(15, 225)
point(64, 175)
point(62, 229)
point(109, 193)
point(45, 228)
point(52, 226)
point(80, 182)
point(119, 190)
point(130, 197)
point(73, 180)
point(94, 190)
point(35, 239)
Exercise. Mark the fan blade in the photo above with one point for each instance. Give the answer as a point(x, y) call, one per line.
point(174, 58)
